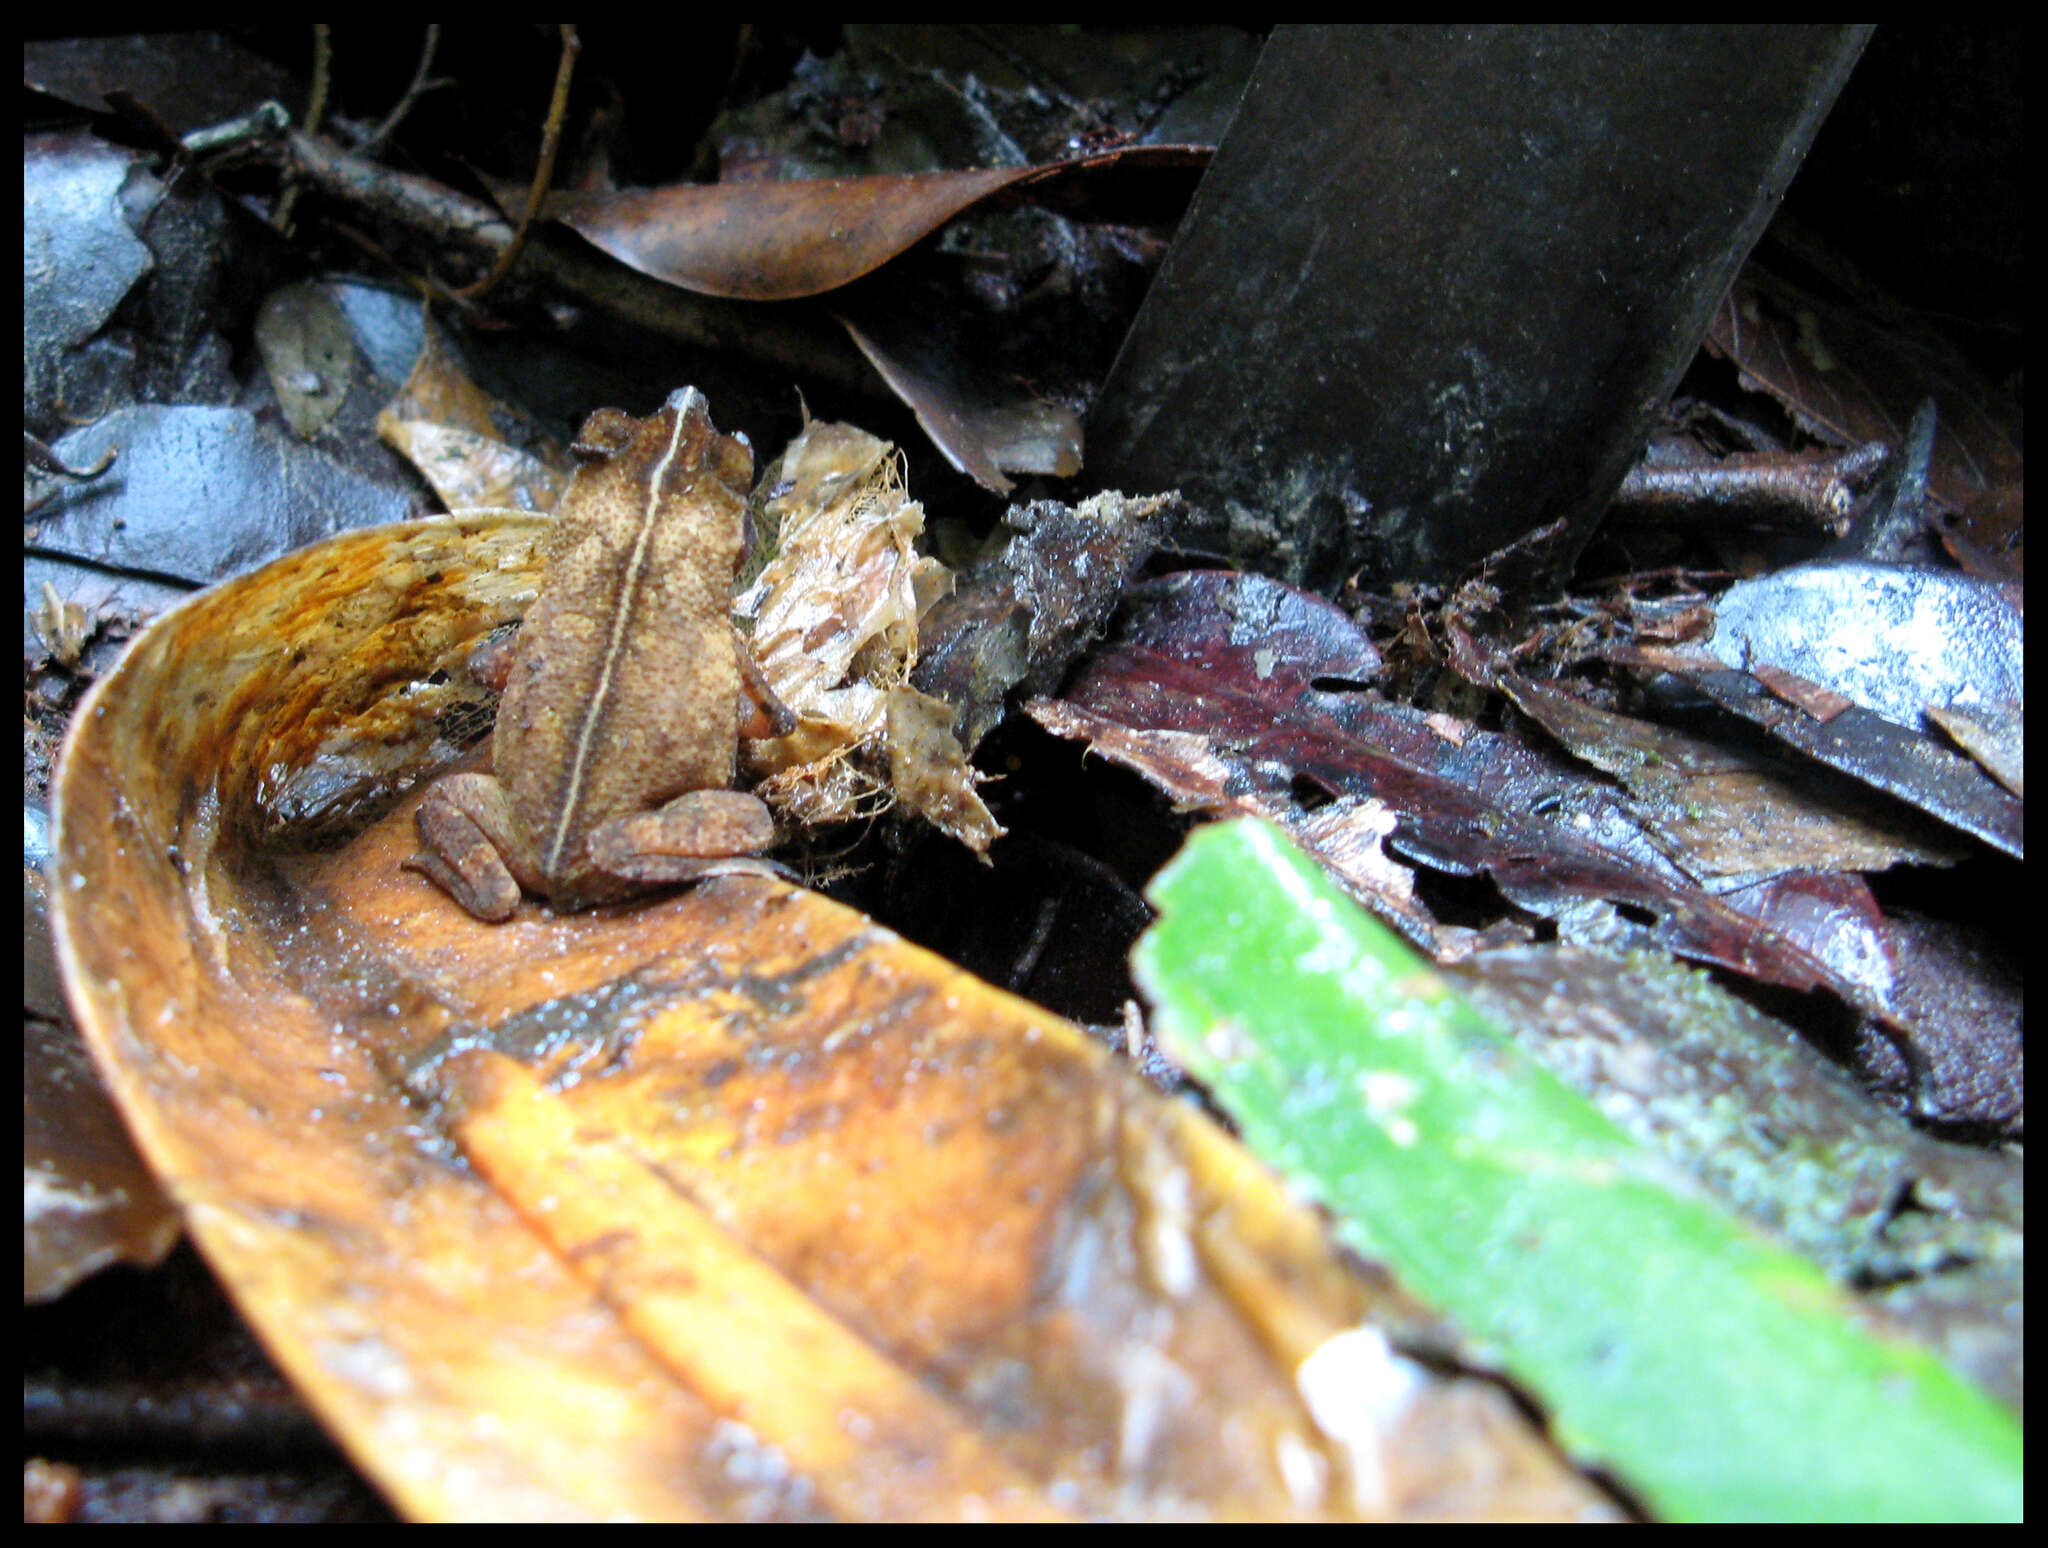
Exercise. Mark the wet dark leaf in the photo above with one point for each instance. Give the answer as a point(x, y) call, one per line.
point(1893, 638)
point(260, 490)
point(186, 78)
point(1857, 656)
point(80, 259)
point(985, 424)
point(1915, 768)
point(1236, 695)
point(1959, 1052)
point(1987, 537)
point(1024, 615)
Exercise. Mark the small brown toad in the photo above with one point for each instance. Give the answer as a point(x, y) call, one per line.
point(623, 702)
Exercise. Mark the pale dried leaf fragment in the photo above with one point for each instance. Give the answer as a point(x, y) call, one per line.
point(448, 428)
point(929, 769)
point(471, 471)
point(308, 354)
point(62, 625)
point(835, 613)
point(1995, 734)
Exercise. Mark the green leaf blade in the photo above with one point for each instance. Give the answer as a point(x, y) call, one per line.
point(1720, 1376)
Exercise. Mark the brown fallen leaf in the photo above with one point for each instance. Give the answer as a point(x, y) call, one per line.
point(730, 1205)
point(1849, 380)
point(773, 241)
point(1915, 768)
point(765, 241)
point(782, 241)
point(1719, 811)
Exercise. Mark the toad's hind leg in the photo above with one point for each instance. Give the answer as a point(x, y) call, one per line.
point(470, 846)
point(700, 833)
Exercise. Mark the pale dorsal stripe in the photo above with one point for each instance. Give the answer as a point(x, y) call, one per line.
point(615, 647)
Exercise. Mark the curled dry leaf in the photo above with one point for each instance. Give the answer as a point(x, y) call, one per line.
point(835, 613)
point(929, 771)
point(447, 427)
point(731, 1205)
point(773, 241)
point(64, 627)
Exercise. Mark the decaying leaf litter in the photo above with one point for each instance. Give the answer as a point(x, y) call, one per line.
point(1675, 870)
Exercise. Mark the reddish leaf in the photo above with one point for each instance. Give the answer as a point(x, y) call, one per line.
point(1270, 677)
point(1234, 693)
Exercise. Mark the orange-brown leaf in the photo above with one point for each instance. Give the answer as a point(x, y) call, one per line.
point(728, 1204)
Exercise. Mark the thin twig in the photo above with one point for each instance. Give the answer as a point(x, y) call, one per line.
point(419, 88)
point(543, 173)
point(316, 111)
